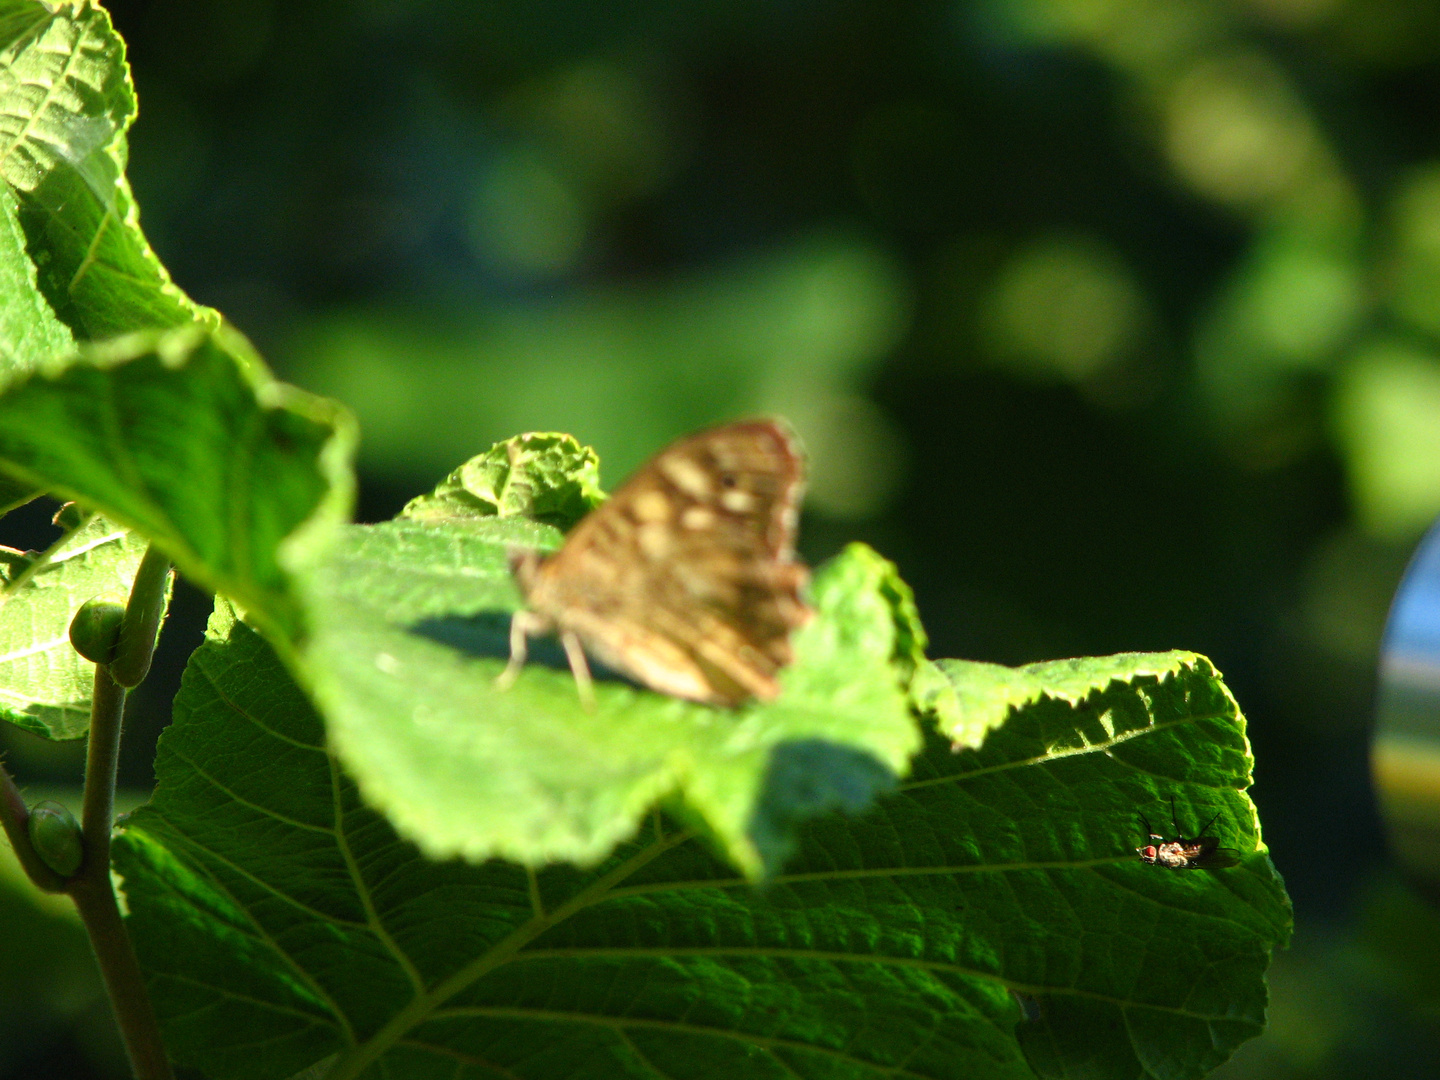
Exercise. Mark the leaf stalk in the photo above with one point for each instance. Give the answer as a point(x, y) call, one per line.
point(94, 895)
point(91, 888)
point(148, 595)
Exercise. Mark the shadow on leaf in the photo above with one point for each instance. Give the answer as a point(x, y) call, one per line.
point(804, 778)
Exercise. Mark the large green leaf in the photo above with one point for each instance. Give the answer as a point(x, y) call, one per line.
point(1163, 970)
point(989, 918)
point(65, 104)
point(408, 626)
point(178, 436)
point(45, 685)
point(29, 330)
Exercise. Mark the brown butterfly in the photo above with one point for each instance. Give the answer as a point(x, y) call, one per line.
point(685, 579)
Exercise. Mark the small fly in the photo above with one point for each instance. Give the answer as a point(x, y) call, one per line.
point(1181, 853)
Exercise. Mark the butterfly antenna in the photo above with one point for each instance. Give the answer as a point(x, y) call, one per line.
point(1206, 827)
point(1174, 819)
point(1148, 832)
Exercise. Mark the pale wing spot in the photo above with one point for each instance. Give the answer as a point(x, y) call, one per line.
point(651, 506)
point(737, 502)
point(655, 540)
point(697, 518)
point(686, 475)
point(729, 457)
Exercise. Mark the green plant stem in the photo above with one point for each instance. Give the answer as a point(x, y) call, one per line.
point(15, 816)
point(143, 613)
point(94, 895)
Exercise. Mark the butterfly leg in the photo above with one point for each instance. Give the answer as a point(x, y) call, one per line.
point(522, 625)
point(580, 668)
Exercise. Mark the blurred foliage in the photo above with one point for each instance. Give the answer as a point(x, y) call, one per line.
point(1115, 322)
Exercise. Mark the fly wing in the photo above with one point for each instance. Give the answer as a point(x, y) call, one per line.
point(1205, 853)
point(1218, 859)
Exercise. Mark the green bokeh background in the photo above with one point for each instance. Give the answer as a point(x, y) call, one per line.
point(1116, 323)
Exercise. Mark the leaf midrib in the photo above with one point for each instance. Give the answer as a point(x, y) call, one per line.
point(1055, 755)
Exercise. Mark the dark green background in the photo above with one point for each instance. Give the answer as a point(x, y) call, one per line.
point(1102, 298)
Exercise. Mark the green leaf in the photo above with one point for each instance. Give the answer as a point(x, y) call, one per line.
point(29, 330)
point(45, 685)
point(178, 436)
point(989, 918)
point(968, 698)
point(545, 476)
point(1181, 982)
point(409, 625)
point(65, 104)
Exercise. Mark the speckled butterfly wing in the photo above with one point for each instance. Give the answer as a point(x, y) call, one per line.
point(685, 579)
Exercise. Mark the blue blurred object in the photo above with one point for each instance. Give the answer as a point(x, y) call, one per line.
point(1405, 756)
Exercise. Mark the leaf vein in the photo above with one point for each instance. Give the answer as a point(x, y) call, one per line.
point(241, 800)
point(199, 851)
point(214, 682)
point(362, 891)
point(272, 1006)
point(263, 935)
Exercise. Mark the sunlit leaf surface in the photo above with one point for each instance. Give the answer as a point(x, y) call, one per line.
point(45, 685)
point(171, 434)
point(987, 919)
